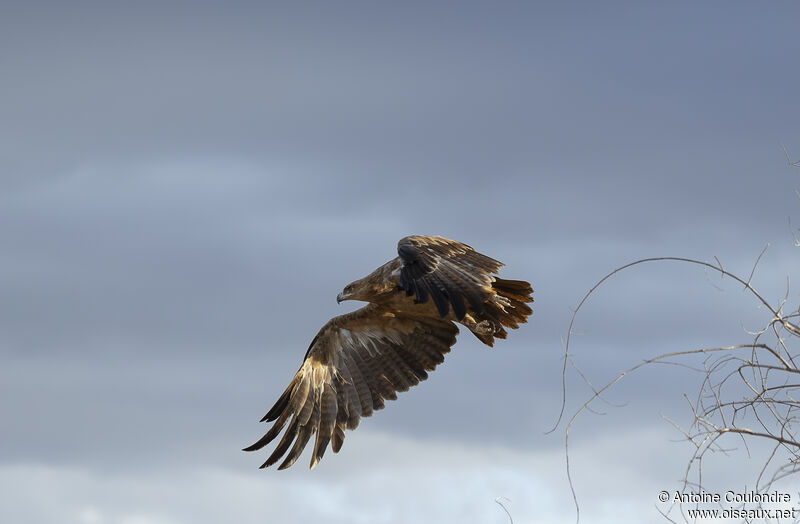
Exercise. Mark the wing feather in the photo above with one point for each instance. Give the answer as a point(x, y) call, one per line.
point(361, 386)
point(347, 397)
point(409, 358)
point(393, 370)
point(327, 419)
point(272, 433)
point(283, 445)
point(337, 439)
point(303, 404)
point(303, 436)
point(386, 388)
point(447, 271)
point(370, 380)
point(355, 363)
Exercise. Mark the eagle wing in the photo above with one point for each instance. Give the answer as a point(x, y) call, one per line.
point(355, 362)
point(446, 271)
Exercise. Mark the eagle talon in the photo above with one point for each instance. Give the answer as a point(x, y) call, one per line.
point(484, 327)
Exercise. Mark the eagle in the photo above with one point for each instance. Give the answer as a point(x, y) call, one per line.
point(360, 359)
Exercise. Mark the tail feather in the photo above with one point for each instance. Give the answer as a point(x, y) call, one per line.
point(518, 294)
point(518, 288)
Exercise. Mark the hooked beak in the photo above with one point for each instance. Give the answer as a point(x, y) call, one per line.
point(339, 298)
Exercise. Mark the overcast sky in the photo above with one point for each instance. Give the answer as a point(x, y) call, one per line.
point(185, 187)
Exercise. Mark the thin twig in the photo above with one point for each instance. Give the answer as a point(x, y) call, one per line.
point(497, 500)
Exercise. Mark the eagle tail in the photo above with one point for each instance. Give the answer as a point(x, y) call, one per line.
point(507, 308)
point(519, 294)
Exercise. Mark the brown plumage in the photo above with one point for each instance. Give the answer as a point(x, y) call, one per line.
point(360, 359)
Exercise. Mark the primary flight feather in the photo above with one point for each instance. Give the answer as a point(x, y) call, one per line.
point(358, 360)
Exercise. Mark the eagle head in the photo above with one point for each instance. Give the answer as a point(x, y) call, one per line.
point(372, 287)
point(348, 293)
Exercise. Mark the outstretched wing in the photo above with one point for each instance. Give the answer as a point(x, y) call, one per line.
point(446, 271)
point(355, 362)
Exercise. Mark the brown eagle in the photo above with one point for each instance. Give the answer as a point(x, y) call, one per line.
point(358, 360)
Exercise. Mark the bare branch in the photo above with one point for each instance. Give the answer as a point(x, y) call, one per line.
point(746, 283)
point(788, 159)
point(763, 368)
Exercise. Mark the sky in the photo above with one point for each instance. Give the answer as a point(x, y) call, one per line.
point(185, 187)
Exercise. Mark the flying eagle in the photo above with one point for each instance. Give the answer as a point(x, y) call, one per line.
point(358, 360)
